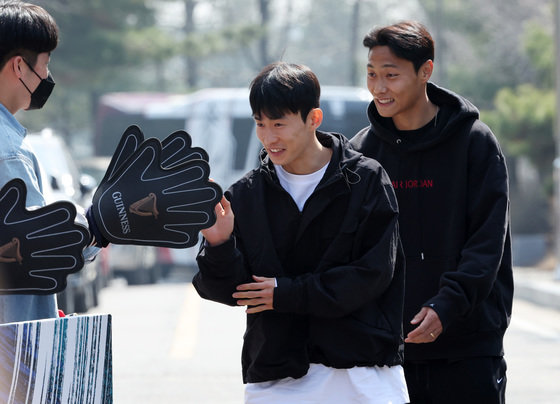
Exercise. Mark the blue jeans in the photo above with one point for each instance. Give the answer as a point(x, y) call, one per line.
point(27, 307)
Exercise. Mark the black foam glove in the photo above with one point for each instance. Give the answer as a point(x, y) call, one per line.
point(158, 195)
point(175, 149)
point(38, 248)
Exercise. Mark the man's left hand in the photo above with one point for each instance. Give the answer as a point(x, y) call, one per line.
point(429, 327)
point(257, 296)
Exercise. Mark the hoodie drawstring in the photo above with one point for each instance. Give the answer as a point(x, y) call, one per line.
point(350, 176)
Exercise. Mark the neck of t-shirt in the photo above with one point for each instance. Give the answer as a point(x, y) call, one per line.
point(300, 186)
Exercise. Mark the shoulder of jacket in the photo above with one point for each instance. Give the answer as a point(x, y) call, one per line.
point(480, 135)
point(369, 164)
point(360, 137)
point(247, 181)
point(368, 171)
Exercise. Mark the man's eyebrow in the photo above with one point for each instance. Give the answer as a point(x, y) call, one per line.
point(385, 65)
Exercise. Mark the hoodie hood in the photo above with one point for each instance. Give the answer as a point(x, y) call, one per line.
point(454, 112)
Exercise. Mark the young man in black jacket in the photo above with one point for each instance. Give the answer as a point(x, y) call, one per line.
point(313, 252)
point(451, 182)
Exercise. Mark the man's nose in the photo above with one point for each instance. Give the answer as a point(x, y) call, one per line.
point(379, 87)
point(268, 136)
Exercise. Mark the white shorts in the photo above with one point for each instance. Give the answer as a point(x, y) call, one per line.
point(325, 385)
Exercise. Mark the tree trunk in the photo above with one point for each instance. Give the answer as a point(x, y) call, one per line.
point(354, 28)
point(191, 64)
point(263, 43)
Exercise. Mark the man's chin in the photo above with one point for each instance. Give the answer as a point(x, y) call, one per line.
point(384, 111)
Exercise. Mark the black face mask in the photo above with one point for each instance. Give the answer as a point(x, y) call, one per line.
point(42, 92)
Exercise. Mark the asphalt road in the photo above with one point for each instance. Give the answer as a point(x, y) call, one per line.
point(170, 346)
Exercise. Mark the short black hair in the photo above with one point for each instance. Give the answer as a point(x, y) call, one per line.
point(284, 87)
point(409, 40)
point(27, 30)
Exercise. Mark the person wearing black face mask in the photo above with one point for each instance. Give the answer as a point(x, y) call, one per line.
point(28, 35)
point(40, 95)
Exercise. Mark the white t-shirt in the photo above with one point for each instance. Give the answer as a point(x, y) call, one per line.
point(323, 384)
point(300, 187)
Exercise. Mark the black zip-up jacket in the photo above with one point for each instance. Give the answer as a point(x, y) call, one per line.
point(451, 182)
point(339, 268)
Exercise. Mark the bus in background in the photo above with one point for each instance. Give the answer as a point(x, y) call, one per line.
point(157, 114)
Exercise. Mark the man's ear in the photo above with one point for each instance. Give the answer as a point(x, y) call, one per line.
point(316, 117)
point(15, 63)
point(426, 70)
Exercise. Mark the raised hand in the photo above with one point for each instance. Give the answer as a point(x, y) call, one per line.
point(160, 195)
point(176, 149)
point(221, 231)
point(38, 248)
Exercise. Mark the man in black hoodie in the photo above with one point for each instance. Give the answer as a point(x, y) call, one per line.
point(451, 183)
point(313, 252)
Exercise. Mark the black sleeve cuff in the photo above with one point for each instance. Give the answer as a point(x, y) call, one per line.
point(97, 238)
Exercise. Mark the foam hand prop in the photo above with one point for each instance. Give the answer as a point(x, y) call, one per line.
point(38, 248)
point(159, 195)
point(176, 149)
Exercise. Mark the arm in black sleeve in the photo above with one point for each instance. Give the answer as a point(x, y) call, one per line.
point(488, 220)
point(221, 270)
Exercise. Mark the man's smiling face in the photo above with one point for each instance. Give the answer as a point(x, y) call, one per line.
point(396, 87)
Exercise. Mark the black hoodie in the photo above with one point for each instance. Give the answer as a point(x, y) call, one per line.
point(338, 264)
point(451, 183)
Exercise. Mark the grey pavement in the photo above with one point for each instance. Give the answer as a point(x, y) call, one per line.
point(537, 285)
point(171, 346)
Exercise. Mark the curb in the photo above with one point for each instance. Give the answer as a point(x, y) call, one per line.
point(537, 286)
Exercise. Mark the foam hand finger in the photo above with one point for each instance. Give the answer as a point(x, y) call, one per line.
point(38, 248)
point(177, 148)
point(146, 204)
point(193, 201)
point(130, 140)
